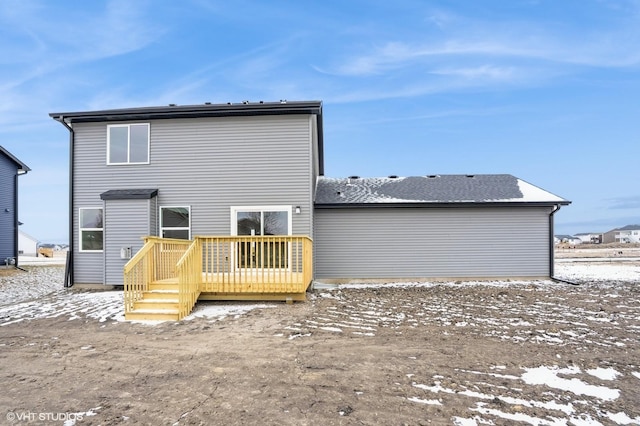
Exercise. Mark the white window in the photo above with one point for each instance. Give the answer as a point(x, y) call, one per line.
point(91, 229)
point(175, 222)
point(128, 143)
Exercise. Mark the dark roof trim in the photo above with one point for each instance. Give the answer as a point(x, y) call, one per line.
point(129, 194)
point(21, 166)
point(191, 111)
point(199, 111)
point(443, 204)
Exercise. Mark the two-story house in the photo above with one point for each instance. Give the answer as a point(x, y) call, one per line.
point(628, 234)
point(235, 204)
point(10, 169)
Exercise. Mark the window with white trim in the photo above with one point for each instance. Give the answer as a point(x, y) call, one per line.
point(175, 222)
point(91, 229)
point(128, 143)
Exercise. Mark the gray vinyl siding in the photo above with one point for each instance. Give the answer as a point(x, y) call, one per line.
point(124, 222)
point(209, 164)
point(8, 172)
point(361, 243)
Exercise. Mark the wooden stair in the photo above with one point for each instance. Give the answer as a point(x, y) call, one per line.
point(159, 303)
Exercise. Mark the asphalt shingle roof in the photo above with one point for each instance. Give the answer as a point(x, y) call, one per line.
point(435, 189)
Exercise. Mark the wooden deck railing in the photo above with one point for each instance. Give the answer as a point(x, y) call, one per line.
point(258, 264)
point(234, 267)
point(155, 261)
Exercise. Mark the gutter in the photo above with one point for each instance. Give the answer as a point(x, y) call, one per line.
point(68, 273)
point(442, 204)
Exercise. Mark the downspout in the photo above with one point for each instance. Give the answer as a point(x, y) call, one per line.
point(551, 238)
point(15, 220)
point(68, 276)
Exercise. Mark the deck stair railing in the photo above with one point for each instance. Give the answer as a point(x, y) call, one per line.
point(154, 262)
point(189, 277)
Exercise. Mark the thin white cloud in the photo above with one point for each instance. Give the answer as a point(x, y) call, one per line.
point(631, 202)
point(482, 71)
point(46, 50)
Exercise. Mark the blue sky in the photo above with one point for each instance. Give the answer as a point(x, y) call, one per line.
point(545, 90)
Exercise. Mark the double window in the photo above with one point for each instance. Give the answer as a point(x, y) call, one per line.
point(91, 229)
point(128, 143)
point(175, 222)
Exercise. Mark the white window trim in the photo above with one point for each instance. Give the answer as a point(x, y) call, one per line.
point(128, 126)
point(80, 229)
point(236, 209)
point(162, 228)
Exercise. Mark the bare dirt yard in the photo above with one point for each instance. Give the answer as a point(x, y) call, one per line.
point(451, 353)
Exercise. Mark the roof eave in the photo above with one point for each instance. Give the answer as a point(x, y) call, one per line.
point(191, 111)
point(22, 168)
point(444, 204)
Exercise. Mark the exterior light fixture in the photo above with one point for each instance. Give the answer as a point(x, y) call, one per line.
point(298, 210)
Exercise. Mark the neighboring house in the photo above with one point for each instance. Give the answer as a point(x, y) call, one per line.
point(628, 234)
point(10, 169)
point(251, 170)
point(27, 245)
point(609, 236)
point(625, 234)
point(589, 237)
point(568, 239)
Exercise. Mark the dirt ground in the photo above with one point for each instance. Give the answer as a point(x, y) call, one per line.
point(452, 353)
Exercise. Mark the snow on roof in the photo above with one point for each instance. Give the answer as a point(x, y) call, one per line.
point(432, 189)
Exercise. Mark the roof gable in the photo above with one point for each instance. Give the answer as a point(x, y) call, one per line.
point(21, 166)
point(433, 189)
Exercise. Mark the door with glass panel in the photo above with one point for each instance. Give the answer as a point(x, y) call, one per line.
point(267, 253)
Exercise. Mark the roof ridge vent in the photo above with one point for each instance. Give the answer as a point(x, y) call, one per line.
point(433, 176)
point(471, 176)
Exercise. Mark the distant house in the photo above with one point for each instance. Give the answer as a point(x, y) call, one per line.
point(27, 245)
point(589, 237)
point(10, 169)
point(627, 234)
point(568, 239)
point(240, 191)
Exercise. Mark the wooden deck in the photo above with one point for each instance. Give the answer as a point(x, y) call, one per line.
point(214, 268)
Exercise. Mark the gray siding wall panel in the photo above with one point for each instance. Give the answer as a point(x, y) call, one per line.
point(8, 172)
point(209, 164)
point(429, 243)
